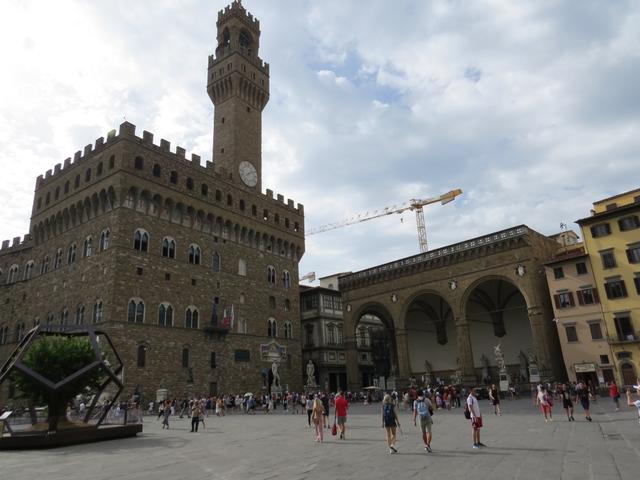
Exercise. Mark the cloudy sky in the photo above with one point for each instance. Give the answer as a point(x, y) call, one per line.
point(532, 108)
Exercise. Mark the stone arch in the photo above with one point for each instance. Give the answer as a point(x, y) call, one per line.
point(156, 205)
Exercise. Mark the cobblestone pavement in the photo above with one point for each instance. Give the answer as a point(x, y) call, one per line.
point(520, 445)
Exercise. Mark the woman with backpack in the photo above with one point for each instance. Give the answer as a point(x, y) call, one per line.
point(422, 409)
point(390, 422)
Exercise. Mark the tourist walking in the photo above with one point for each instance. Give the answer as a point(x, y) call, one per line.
point(614, 393)
point(494, 396)
point(341, 406)
point(309, 406)
point(317, 417)
point(582, 394)
point(476, 418)
point(196, 413)
point(546, 403)
point(634, 403)
point(325, 405)
point(567, 404)
point(166, 413)
point(390, 422)
point(422, 410)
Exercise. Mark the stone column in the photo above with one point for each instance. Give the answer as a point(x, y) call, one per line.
point(353, 369)
point(465, 353)
point(540, 342)
point(402, 349)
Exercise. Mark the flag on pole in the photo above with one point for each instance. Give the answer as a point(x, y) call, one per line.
point(225, 319)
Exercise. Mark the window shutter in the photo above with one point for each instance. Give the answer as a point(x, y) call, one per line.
point(629, 257)
point(607, 290)
point(556, 299)
point(580, 298)
point(571, 301)
point(596, 297)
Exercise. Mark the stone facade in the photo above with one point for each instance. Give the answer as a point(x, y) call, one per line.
point(129, 224)
point(442, 287)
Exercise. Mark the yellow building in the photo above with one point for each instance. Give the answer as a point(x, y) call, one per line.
point(612, 239)
point(578, 313)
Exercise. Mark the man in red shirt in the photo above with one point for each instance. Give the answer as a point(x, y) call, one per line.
point(341, 412)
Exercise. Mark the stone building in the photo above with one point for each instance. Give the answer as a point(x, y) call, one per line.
point(578, 313)
point(612, 239)
point(445, 310)
point(190, 268)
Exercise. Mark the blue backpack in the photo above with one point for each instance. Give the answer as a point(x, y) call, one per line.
point(388, 415)
point(421, 408)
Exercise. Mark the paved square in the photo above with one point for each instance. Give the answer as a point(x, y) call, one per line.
point(520, 445)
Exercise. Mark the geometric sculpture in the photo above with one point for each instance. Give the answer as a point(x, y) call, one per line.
point(102, 371)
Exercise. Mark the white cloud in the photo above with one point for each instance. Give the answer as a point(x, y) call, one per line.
point(530, 108)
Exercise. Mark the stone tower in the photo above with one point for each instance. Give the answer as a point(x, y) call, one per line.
point(238, 85)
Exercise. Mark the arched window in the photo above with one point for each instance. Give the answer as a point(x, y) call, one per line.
point(135, 311)
point(157, 170)
point(44, 268)
point(139, 163)
point(229, 199)
point(191, 317)
point(28, 270)
point(76, 181)
point(142, 356)
point(4, 335)
point(80, 315)
point(241, 204)
point(189, 183)
point(87, 175)
point(104, 239)
point(169, 247)
point(66, 187)
point(57, 194)
point(71, 254)
point(165, 315)
point(218, 195)
point(271, 275)
point(141, 240)
point(204, 189)
point(57, 262)
point(112, 161)
point(185, 357)
point(13, 274)
point(254, 210)
point(173, 178)
point(286, 279)
point(288, 329)
point(97, 312)
point(64, 317)
point(242, 267)
point(216, 262)
point(99, 169)
point(86, 247)
point(272, 328)
point(287, 305)
point(194, 254)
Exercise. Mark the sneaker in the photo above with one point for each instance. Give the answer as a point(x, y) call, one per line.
point(393, 447)
point(390, 451)
point(476, 446)
point(428, 448)
point(480, 444)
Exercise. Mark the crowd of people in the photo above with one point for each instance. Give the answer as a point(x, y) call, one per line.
point(421, 404)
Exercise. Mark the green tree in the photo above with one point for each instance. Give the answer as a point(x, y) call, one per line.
point(57, 357)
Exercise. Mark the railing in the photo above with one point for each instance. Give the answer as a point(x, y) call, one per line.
point(440, 252)
point(626, 338)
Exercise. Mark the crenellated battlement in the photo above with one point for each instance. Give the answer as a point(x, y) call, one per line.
point(238, 11)
point(127, 131)
point(15, 245)
point(222, 52)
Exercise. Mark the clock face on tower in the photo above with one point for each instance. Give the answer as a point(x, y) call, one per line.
point(248, 173)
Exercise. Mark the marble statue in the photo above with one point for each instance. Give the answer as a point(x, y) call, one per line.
point(485, 367)
point(311, 379)
point(497, 351)
point(276, 375)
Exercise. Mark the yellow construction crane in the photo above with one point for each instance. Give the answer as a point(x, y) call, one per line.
point(414, 204)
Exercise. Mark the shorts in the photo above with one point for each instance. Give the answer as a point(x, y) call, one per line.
point(585, 404)
point(476, 423)
point(567, 404)
point(342, 420)
point(390, 424)
point(546, 409)
point(425, 424)
point(496, 402)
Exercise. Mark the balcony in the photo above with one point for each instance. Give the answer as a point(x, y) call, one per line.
point(626, 338)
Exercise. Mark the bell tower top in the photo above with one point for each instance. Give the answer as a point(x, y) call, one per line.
point(238, 85)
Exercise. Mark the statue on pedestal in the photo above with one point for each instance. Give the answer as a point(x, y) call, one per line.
point(276, 375)
point(485, 368)
point(428, 373)
point(311, 379)
point(497, 351)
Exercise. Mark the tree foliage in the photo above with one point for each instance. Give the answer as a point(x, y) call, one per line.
point(55, 358)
